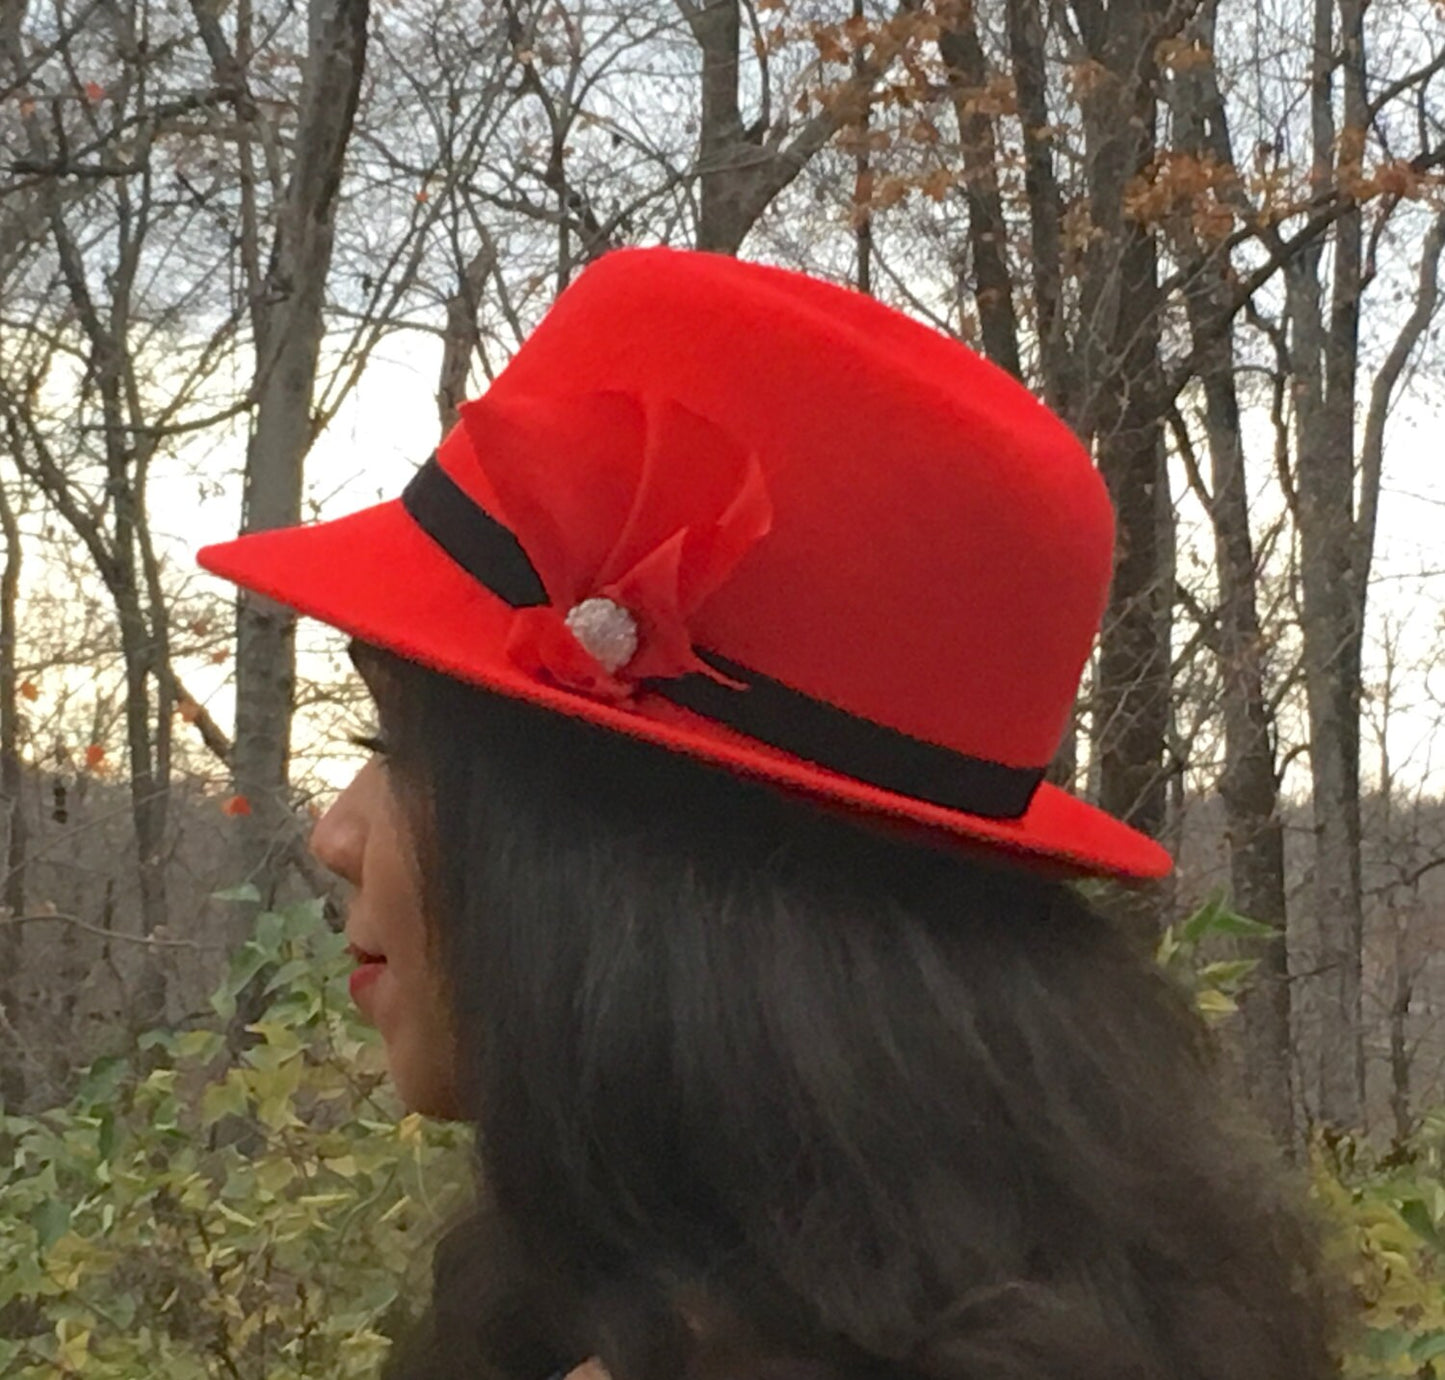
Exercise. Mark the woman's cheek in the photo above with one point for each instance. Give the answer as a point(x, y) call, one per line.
point(419, 1052)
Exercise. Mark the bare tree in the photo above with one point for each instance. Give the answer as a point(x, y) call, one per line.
point(743, 167)
point(87, 182)
point(287, 316)
point(12, 1081)
point(1249, 781)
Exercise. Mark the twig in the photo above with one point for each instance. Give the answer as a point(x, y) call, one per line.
point(148, 940)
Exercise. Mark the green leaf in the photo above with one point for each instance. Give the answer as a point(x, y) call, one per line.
point(305, 919)
point(278, 1036)
point(289, 972)
point(325, 1200)
point(105, 1141)
point(274, 1175)
point(1231, 923)
point(1202, 921)
point(202, 1045)
point(1386, 1343)
point(1427, 1347)
point(270, 934)
point(1214, 1003)
point(1217, 917)
point(74, 1349)
point(245, 963)
point(328, 946)
point(1417, 1215)
point(274, 1090)
point(102, 1079)
point(1228, 973)
point(160, 1080)
point(296, 1007)
point(51, 1221)
point(231, 1215)
point(226, 1098)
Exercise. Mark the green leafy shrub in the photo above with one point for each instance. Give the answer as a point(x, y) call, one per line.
point(1390, 1249)
point(188, 1214)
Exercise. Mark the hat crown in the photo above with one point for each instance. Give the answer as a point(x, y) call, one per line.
point(940, 545)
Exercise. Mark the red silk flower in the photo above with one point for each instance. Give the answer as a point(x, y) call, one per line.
point(617, 524)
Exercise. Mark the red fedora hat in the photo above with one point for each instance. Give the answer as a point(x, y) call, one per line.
point(762, 520)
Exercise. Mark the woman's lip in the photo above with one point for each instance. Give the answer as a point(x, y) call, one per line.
point(363, 975)
point(364, 955)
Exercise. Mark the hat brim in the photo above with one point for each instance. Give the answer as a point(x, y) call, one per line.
point(377, 576)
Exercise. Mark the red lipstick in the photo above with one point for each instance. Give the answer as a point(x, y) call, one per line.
point(368, 968)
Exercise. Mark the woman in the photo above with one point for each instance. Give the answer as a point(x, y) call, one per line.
point(706, 863)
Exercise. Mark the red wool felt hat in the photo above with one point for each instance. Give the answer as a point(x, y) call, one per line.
point(762, 520)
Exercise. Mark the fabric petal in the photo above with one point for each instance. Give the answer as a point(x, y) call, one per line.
point(690, 471)
point(540, 643)
point(666, 505)
point(566, 474)
point(711, 552)
point(649, 592)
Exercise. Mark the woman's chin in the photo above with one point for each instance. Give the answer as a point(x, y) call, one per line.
point(422, 1087)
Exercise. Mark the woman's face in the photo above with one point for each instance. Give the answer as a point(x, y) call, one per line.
point(365, 839)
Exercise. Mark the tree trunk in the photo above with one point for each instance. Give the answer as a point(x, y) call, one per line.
point(722, 222)
point(463, 338)
point(1057, 363)
point(862, 185)
point(1249, 784)
point(1382, 395)
point(1325, 365)
point(148, 798)
point(740, 170)
point(1041, 187)
point(1400, 1000)
point(1123, 410)
point(987, 231)
point(12, 1074)
point(288, 352)
point(142, 640)
point(11, 776)
point(1133, 689)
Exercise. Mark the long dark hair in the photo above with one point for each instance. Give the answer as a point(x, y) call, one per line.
point(764, 1090)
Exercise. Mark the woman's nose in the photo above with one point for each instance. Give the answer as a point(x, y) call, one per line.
point(338, 839)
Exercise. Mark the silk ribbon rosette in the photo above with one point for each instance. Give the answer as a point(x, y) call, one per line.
point(612, 496)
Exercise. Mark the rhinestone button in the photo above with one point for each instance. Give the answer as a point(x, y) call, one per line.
point(607, 630)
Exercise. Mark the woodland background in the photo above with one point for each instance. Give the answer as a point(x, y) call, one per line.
point(246, 247)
